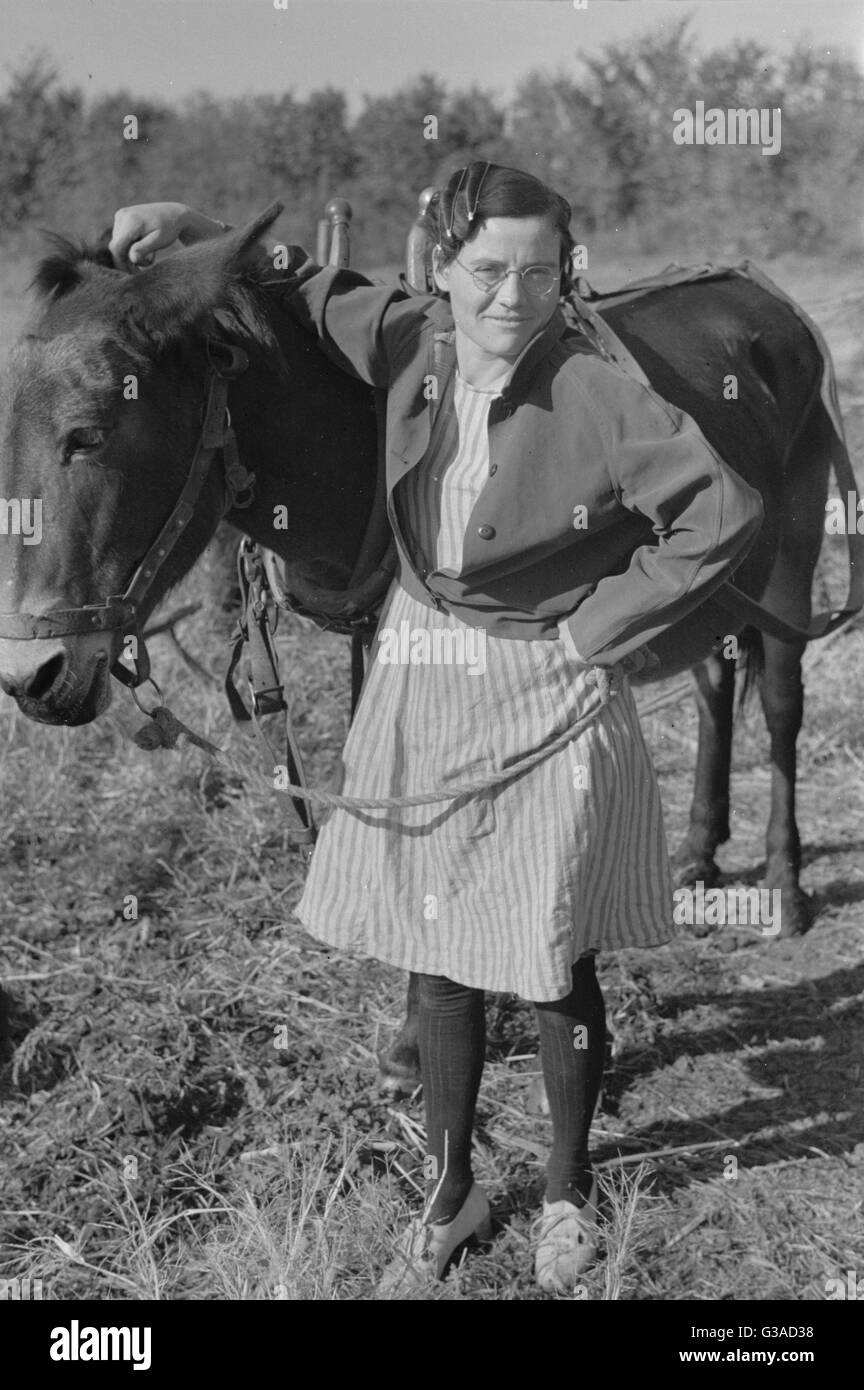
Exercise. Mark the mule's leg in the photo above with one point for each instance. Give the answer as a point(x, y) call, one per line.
point(399, 1066)
point(709, 809)
point(782, 694)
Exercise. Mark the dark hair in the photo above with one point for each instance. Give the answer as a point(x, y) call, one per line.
point(481, 190)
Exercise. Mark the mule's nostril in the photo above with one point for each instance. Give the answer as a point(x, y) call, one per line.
point(39, 684)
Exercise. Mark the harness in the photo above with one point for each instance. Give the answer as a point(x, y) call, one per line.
point(263, 595)
point(121, 611)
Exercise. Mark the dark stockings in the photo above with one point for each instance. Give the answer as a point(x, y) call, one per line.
point(452, 1041)
point(572, 1049)
point(452, 1044)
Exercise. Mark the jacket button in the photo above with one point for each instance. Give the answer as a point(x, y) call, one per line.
point(493, 469)
point(486, 533)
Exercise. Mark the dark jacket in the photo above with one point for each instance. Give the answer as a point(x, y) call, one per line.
point(667, 520)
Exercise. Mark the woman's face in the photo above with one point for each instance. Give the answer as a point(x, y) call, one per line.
point(500, 322)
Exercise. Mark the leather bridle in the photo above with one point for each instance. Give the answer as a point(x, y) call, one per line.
point(121, 611)
point(255, 628)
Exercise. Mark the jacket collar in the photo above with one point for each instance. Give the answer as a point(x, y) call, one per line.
point(444, 337)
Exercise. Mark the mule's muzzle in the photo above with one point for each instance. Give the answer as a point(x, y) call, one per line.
point(52, 691)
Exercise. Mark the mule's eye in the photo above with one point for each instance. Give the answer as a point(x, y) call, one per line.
point(85, 440)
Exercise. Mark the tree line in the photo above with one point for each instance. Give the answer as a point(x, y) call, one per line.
point(602, 135)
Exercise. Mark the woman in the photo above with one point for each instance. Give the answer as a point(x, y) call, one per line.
point(520, 465)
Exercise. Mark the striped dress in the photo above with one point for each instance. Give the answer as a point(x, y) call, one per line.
point(505, 890)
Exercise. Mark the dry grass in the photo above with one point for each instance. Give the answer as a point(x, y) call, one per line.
point(157, 1144)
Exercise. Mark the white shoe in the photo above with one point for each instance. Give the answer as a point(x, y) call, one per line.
point(566, 1242)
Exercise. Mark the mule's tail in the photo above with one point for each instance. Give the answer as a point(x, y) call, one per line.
point(751, 659)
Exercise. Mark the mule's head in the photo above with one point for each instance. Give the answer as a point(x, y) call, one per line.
point(100, 413)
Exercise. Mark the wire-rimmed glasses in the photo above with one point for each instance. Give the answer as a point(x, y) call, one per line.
point(538, 280)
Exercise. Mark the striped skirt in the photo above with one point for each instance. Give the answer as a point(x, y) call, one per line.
point(501, 890)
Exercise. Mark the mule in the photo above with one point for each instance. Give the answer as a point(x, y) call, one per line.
point(102, 404)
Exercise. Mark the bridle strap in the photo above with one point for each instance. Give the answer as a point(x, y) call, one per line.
point(63, 621)
point(215, 432)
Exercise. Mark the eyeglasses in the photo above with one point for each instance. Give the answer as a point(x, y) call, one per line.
point(538, 280)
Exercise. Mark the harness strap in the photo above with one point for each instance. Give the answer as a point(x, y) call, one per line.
point(266, 688)
point(603, 336)
point(103, 617)
point(226, 363)
point(333, 610)
point(213, 436)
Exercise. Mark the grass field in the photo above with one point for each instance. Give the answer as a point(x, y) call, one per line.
point(156, 1141)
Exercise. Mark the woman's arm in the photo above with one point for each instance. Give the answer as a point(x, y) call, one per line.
point(357, 325)
point(362, 328)
point(633, 663)
point(705, 516)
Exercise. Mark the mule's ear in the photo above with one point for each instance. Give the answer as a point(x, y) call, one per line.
point(58, 273)
point(245, 237)
point(68, 265)
point(180, 294)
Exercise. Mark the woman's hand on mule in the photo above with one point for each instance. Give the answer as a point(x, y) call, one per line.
point(140, 231)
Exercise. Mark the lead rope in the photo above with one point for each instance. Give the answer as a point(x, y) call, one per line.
point(166, 731)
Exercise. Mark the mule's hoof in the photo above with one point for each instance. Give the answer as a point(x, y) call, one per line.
point(688, 871)
point(798, 911)
point(698, 929)
point(397, 1087)
point(398, 1078)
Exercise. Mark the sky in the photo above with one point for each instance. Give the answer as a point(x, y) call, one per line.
point(167, 49)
